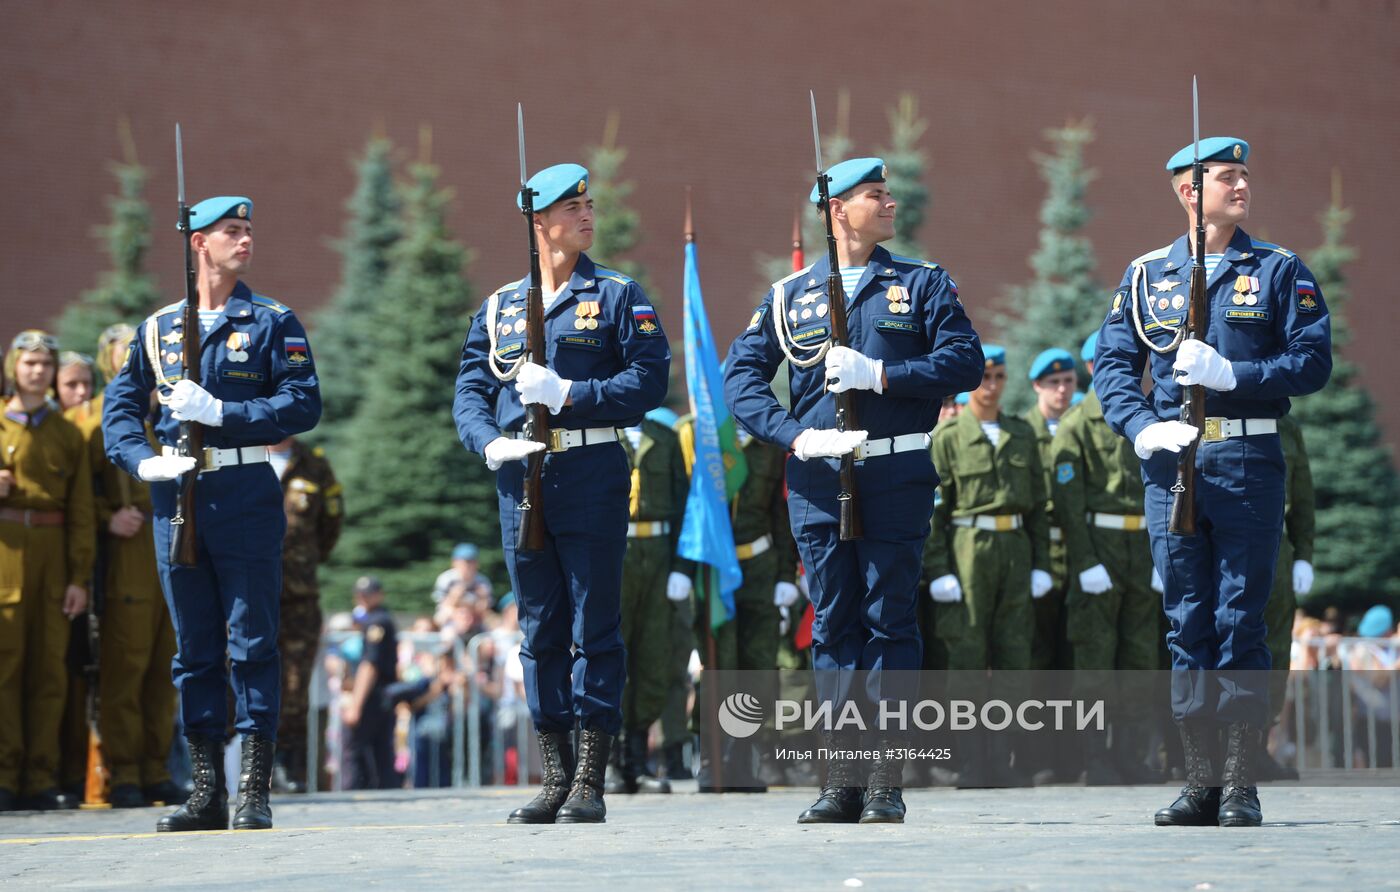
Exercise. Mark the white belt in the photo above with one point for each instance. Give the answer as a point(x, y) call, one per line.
point(1130, 522)
point(561, 440)
point(648, 529)
point(891, 445)
point(754, 548)
point(1057, 534)
point(214, 459)
point(1218, 429)
point(994, 523)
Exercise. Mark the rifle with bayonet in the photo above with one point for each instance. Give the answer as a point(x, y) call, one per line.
point(851, 527)
point(530, 534)
point(183, 550)
point(1193, 397)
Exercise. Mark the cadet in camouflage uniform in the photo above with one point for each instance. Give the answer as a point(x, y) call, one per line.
point(988, 547)
point(315, 511)
point(136, 717)
point(768, 560)
point(1293, 577)
point(1112, 607)
point(47, 542)
point(653, 576)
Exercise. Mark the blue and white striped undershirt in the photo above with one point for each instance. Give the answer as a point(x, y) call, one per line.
point(1212, 261)
point(850, 275)
point(207, 318)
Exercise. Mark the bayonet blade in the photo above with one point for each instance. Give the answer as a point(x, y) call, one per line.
point(179, 165)
point(520, 129)
point(1195, 121)
point(816, 132)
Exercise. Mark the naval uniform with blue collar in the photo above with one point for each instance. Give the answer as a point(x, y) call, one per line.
point(905, 312)
point(256, 360)
point(1267, 318)
point(602, 335)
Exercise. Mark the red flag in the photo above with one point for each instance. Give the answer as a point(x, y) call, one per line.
point(798, 262)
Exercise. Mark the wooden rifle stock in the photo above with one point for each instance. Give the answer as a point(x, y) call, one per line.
point(530, 534)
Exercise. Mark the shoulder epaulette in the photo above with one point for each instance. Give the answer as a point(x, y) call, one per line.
point(914, 261)
point(788, 278)
point(168, 308)
point(612, 275)
point(1266, 246)
point(508, 286)
point(1152, 255)
point(268, 303)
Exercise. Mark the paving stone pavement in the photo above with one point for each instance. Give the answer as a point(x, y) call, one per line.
point(1047, 838)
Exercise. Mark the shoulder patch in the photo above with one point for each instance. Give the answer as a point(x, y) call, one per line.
point(1307, 297)
point(756, 319)
point(1268, 246)
point(644, 317)
point(1064, 472)
point(913, 261)
point(1158, 254)
point(268, 303)
point(1118, 297)
point(788, 278)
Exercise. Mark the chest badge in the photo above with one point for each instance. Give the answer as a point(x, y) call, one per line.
point(1165, 285)
point(587, 312)
point(898, 296)
point(1246, 290)
point(172, 337)
point(513, 310)
point(237, 346)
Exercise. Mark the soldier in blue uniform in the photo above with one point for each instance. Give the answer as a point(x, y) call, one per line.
point(607, 366)
point(1268, 339)
point(911, 345)
point(256, 386)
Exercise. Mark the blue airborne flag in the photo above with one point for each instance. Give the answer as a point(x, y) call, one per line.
point(719, 468)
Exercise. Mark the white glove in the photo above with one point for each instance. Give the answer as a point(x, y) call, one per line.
point(190, 402)
point(1041, 583)
point(163, 467)
point(813, 443)
point(1157, 585)
point(1198, 363)
point(678, 586)
point(783, 623)
point(1095, 580)
point(847, 369)
point(784, 595)
point(1172, 436)
point(504, 449)
point(538, 384)
point(946, 589)
point(1302, 577)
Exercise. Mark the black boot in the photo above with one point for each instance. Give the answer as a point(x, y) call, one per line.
point(676, 766)
point(634, 765)
point(254, 812)
point(841, 798)
point(1130, 755)
point(7, 799)
point(1199, 802)
point(207, 807)
point(1239, 800)
point(884, 798)
point(1098, 767)
point(615, 778)
point(557, 756)
point(165, 792)
point(585, 802)
point(289, 772)
point(127, 796)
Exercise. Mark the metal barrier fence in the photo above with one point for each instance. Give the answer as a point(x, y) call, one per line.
point(1345, 706)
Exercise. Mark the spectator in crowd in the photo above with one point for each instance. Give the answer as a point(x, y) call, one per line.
point(466, 570)
point(369, 715)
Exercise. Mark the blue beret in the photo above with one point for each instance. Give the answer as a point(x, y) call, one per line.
point(664, 416)
point(1077, 398)
point(555, 184)
point(465, 551)
point(1091, 343)
point(849, 174)
point(962, 398)
point(1215, 148)
point(995, 355)
point(212, 210)
point(1377, 622)
point(1051, 361)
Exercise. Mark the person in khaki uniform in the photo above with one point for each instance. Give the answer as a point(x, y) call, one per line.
point(1293, 578)
point(136, 717)
point(652, 577)
point(1112, 607)
point(312, 499)
point(988, 547)
point(46, 554)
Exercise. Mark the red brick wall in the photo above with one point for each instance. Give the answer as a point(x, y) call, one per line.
point(711, 94)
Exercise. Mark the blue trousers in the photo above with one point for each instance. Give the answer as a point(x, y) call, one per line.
point(570, 593)
point(1217, 582)
point(225, 610)
point(864, 592)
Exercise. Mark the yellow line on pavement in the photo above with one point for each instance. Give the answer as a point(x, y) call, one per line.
point(34, 840)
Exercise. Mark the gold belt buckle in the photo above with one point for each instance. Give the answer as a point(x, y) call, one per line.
point(1134, 522)
point(1213, 433)
point(556, 440)
point(207, 464)
point(1005, 522)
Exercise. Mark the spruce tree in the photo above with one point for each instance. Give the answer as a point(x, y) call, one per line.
point(616, 227)
point(412, 491)
point(907, 166)
point(125, 292)
point(1063, 302)
point(346, 336)
point(1358, 533)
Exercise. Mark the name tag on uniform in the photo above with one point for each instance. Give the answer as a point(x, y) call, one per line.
point(811, 334)
point(241, 376)
point(1247, 315)
point(901, 325)
point(591, 342)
